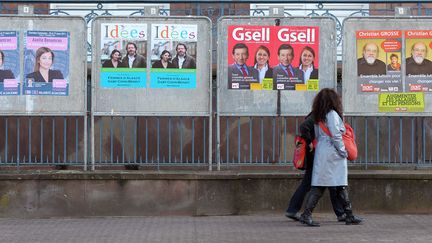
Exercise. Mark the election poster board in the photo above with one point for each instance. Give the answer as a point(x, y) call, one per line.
point(46, 63)
point(392, 66)
point(163, 86)
point(273, 57)
point(173, 56)
point(40, 57)
point(9, 63)
point(381, 57)
point(418, 52)
point(379, 60)
point(123, 55)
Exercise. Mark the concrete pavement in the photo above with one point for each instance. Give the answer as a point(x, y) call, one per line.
point(261, 228)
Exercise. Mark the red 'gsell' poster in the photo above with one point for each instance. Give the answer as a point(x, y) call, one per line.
point(273, 57)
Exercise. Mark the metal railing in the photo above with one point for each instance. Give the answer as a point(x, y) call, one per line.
point(151, 141)
point(160, 141)
point(41, 141)
point(167, 141)
point(389, 141)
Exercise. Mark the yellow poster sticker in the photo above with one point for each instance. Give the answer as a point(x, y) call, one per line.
point(255, 86)
point(401, 102)
point(313, 85)
point(267, 84)
point(300, 87)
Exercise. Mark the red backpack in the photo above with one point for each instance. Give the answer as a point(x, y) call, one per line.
point(348, 139)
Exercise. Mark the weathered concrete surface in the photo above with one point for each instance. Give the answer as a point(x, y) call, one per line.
point(139, 193)
point(257, 228)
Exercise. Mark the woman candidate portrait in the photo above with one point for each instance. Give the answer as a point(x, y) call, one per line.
point(165, 61)
point(42, 69)
point(114, 61)
point(307, 58)
point(262, 56)
point(394, 63)
point(4, 74)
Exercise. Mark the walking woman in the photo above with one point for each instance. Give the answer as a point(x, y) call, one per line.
point(307, 131)
point(330, 167)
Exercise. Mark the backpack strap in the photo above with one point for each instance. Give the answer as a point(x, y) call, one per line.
point(325, 128)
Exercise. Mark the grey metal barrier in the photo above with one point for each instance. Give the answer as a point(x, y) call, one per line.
point(42, 141)
point(365, 84)
point(155, 116)
point(152, 141)
point(390, 132)
point(44, 118)
point(393, 141)
point(272, 96)
point(382, 141)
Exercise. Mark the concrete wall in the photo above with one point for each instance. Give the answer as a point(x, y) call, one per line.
point(137, 193)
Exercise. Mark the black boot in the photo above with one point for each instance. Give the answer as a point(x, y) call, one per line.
point(307, 219)
point(350, 218)
point(311, 202)
point(353, 220)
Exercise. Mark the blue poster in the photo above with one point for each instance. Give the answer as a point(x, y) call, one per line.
point(123, 77)
point(9, 63)
point(46, 63)
point(173, 78)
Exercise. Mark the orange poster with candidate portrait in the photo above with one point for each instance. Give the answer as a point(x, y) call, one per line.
point(418, 64)
point(379, 60)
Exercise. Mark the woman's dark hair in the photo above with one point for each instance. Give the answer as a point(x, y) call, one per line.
point(325, 101)
point(394, 55)
point(2, 55)
point(163, 53)
point(264, 48)
point(113, 52)
point(307, 48)
point(39, 53)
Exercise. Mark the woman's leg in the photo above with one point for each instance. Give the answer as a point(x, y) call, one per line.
point(314, 195)
point(343, 196)
point(297, 198)
point(337, 204)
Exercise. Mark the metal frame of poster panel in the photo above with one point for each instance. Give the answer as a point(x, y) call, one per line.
point(44, 34)
point(386, 66)
point(152, 90)
point(33, 92)
point(242, 41)
point(260, 99)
